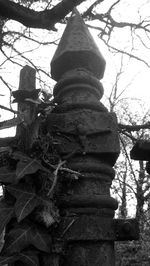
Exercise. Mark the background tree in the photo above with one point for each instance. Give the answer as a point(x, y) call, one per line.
point(132, 185)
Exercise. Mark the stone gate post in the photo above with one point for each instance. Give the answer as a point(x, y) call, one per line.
point(88, 140)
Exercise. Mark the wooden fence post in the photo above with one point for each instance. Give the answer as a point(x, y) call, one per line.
point(25, 131)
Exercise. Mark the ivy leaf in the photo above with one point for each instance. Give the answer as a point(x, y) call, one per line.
point(25, 235)
point(16, 190)
point(25, 204)
point(26, 165)
point(29, 258)
point(7, 176)
point(4, 260)
point(40, 239)
point(6, 213)
point(26, 200)
point(18, 155)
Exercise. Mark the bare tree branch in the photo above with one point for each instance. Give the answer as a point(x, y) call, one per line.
point(130, 128)
point(126, 53)
point(108, 19)
point(90, 9)
point(128, 185)
point(15, 33)
point(8, 109)
point(113, 5)
point(6, 84)
point(43, 19)
point(129, 135)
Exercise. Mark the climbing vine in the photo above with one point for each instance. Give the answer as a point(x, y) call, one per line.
point(28, 207)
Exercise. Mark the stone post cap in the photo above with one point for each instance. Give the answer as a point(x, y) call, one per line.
point(77, 49)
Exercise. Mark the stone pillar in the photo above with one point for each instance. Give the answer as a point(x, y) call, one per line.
point(87, 139)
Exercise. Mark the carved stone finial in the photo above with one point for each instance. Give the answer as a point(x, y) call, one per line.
point(77, 49)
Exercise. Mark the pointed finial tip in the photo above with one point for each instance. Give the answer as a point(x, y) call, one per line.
point(77, 49)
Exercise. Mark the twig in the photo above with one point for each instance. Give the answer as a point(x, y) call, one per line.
point(67, 228)
point(126, 53)
point(65, 169)
point(10, 33)
point(129, 136)
point(88, 12)
point(70, 171)
point(6, 84)
point(55, 177)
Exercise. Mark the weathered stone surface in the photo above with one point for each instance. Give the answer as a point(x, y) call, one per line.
point(83, 122)
point(78, 86)
point(85, 131)
point(77, 49)
point(86, 228)
point(96, 228)
point(99, 201)
point(91, 254)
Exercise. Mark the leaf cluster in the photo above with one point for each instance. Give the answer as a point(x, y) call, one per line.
point(23, 178)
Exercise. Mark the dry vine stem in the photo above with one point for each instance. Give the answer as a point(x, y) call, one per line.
point(63, 168)
point(67, 228)
point(55, 177)
point(60, 168)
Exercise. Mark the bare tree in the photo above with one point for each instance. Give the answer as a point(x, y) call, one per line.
point(109, 20)
point(132, 179)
